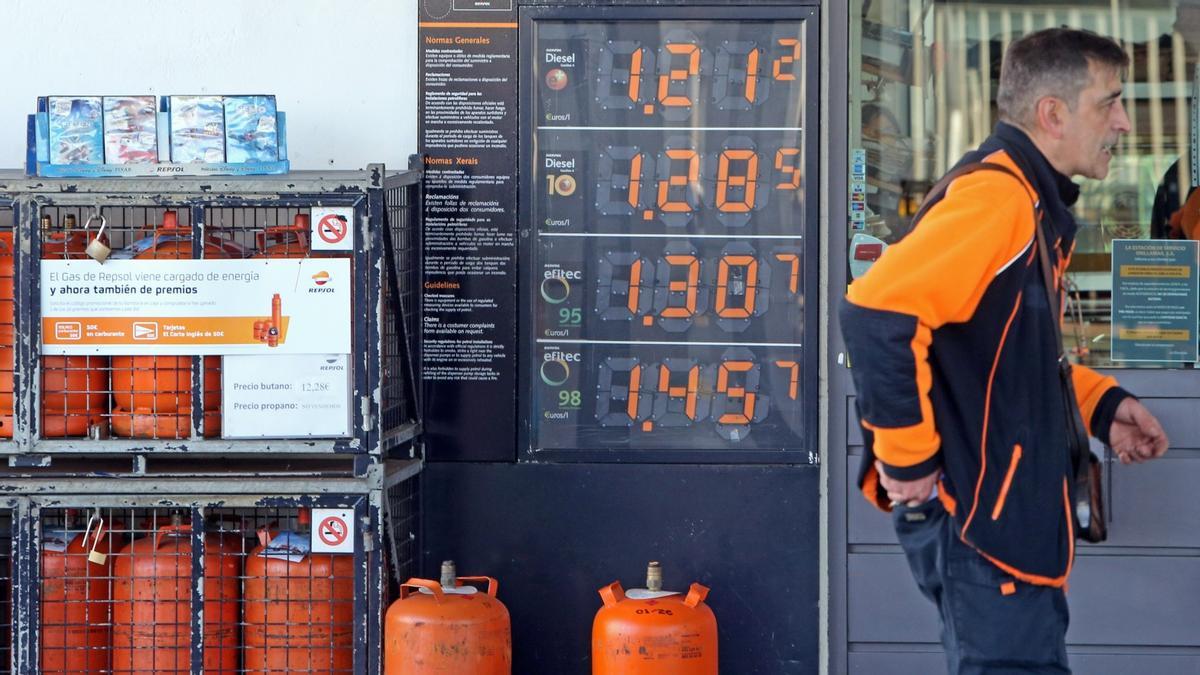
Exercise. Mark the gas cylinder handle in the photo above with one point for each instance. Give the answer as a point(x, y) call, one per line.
point(264, 536)
point(612, 594)
point(492, 584)
point(428, 584)
point(171, 530)
point(171, 226)
point(279, 232)
point(696, 595)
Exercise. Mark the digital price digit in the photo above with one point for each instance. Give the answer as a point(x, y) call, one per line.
point(677, 289)
point(677, 399)
point(737, 403)
point(793, 369)
point(619, 189)
point(786, 160)
point(782, 68)
point(625, 277)
point(672, 78)
point(739, 289)
point(744, 180)
point(792, 260)
point(619, 402)
point(678, 185)
point(621, 74)
point(736, 76)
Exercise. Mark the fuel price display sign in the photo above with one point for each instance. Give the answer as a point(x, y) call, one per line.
point(667, 193)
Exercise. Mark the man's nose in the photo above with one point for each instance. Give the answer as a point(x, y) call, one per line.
point(1121, 123)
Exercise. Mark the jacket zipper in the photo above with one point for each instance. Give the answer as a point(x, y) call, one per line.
point(1008, 477)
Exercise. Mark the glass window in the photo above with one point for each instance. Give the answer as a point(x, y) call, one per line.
point(923, 80)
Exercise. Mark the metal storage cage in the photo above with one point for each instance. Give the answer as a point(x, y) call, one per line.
point(170, 583)
point(127, 548)
point(142, 408)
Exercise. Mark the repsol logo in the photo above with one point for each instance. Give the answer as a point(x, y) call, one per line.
point(323, 289)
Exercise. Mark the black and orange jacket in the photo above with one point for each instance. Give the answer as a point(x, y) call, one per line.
point(954, 361)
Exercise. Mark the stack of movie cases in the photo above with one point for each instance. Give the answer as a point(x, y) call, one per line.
point(95, 136)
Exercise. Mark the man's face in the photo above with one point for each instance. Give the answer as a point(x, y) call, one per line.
point(1094, 124)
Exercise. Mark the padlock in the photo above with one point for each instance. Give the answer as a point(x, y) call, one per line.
point(94, 556)
point(96, 249)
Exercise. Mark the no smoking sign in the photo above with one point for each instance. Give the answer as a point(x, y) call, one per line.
point(333, 531)
point(332, 228)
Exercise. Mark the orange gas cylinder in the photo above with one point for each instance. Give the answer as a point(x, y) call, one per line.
point(299, 606)
point(285, 241)
point(74, 388)
point(152, 395)
point(75, 629)
point(649, 631)
point(447, 628)
point(152, 592)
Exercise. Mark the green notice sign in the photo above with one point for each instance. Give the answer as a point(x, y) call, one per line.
point(1154, 300)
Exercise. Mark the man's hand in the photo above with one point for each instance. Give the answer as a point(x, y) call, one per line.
point(1136, 435)
point(909, 492)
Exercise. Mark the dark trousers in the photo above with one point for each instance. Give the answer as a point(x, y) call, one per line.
point(991, 623)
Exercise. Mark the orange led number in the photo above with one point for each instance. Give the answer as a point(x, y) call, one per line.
point(635, 383)
point(787, 60)
point(789, 167)
point(794, 386)
point(635, 286)
point(690, 286)
point(794, 279)
point(665, 80)
point(748, 181)
point(665, 203)
point(751, 75)
point(635, 179)
point(747, 413)
point(747, 307)
point(635, 74)
point(688, 393)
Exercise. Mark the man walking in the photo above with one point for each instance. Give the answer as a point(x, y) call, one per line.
point(952, 339)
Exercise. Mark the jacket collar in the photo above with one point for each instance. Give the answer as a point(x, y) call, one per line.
point(1058, 193)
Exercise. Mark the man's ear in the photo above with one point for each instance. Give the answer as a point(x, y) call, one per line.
point(1050, 116)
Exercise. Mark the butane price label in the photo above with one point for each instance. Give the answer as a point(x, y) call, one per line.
point(286, 396)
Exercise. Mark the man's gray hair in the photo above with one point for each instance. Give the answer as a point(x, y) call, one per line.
point(1051, 62)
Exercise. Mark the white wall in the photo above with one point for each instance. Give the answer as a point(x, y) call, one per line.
point(344, 72)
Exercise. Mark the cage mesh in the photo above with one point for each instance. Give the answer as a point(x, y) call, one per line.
point(117, 590)
point(6, 591)
point(399, 327)
point(401, 502)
